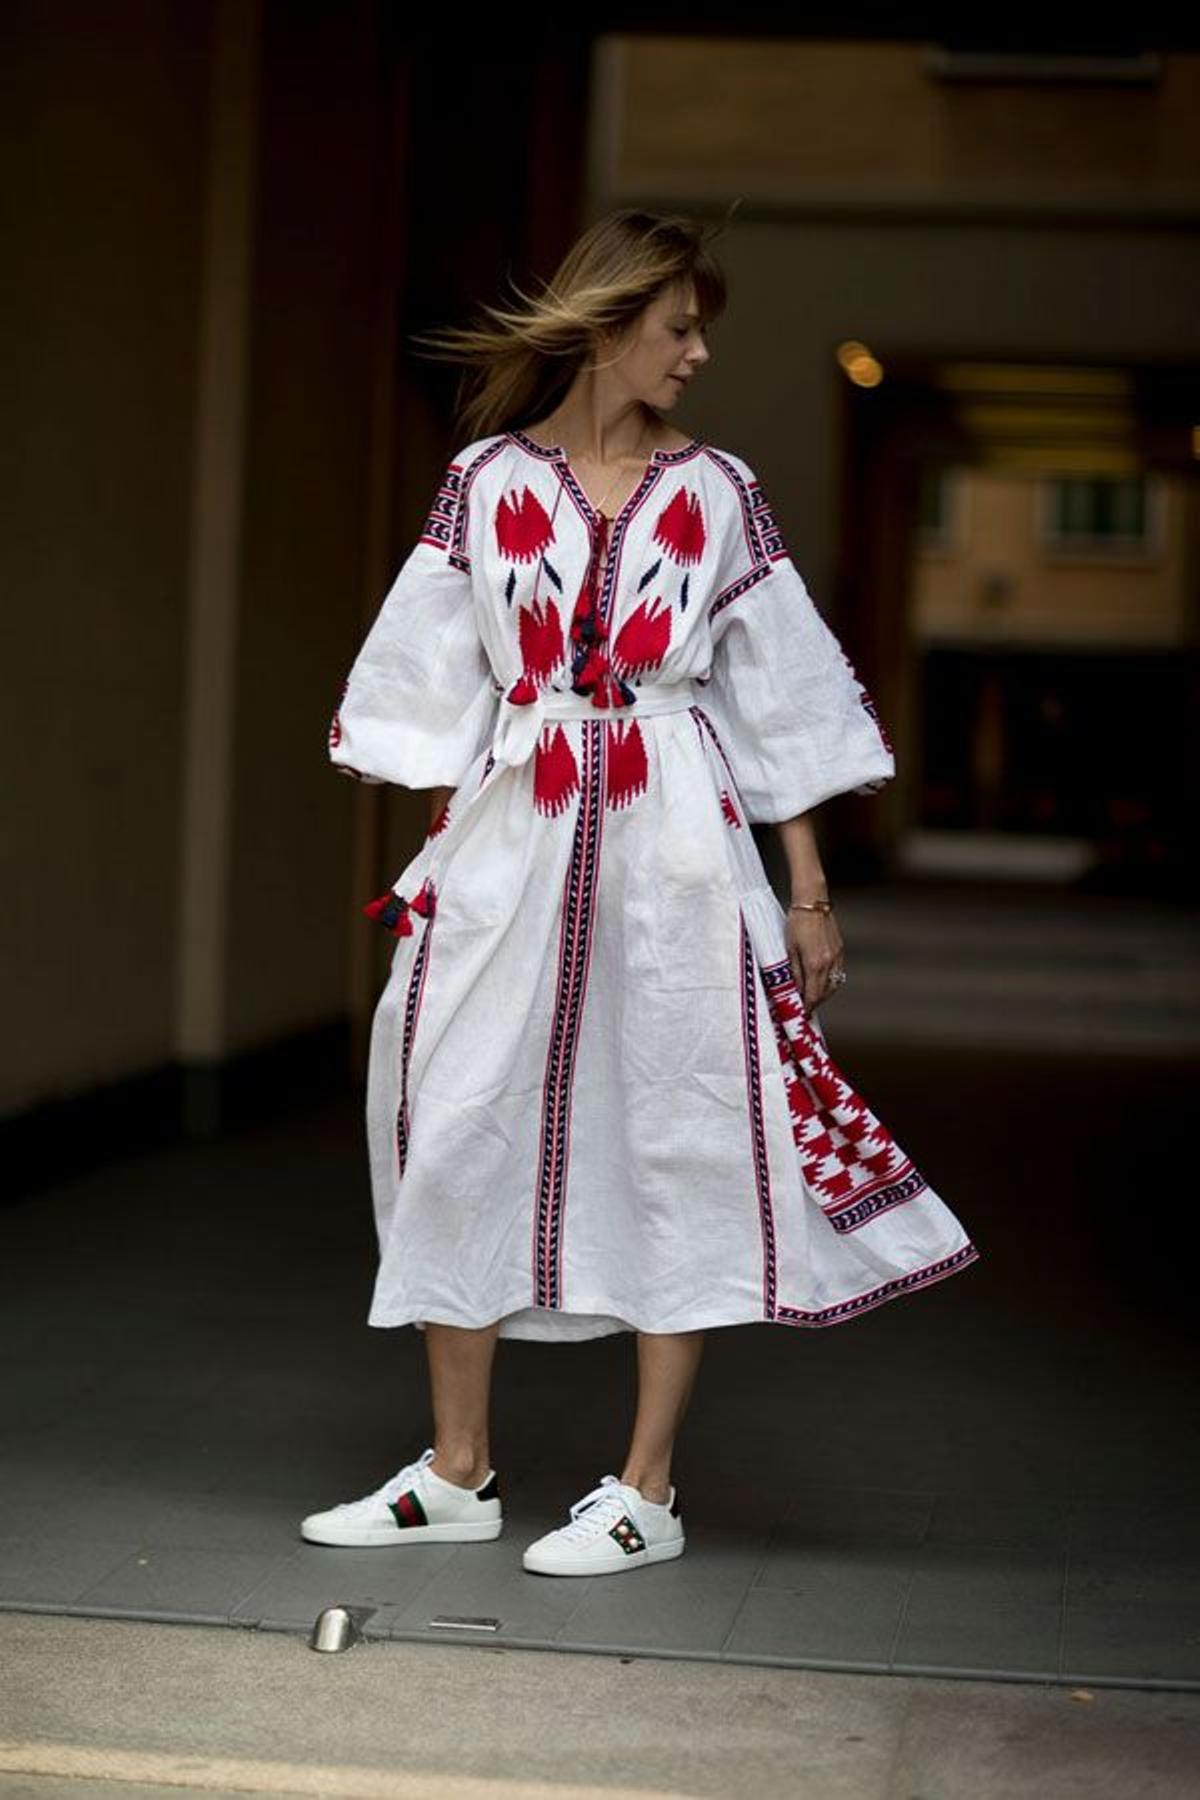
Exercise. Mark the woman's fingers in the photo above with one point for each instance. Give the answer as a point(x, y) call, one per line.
point(816, 952)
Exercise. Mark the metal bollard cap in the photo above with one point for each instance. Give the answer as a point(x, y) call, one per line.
point(335, 1629)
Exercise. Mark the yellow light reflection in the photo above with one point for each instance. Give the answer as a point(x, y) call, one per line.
point(858, 365)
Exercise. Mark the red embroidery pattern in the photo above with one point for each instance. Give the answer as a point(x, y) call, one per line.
point(626, 762)
point(643, 639)
point(851, 1214)
point(729, 810)
point(680, 529)
point(540, 635)
point(849, 1158)
point(555, 772)
point(523, 528)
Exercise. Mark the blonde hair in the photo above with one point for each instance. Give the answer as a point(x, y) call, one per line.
point(519, 361)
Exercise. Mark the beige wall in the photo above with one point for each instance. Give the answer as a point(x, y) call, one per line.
point(1050, 596)
point(305, 528)
point(200, 503)
point(190, 410)
point(102, 263)
point(799, 288)
point(866, 122)
point(918, 216)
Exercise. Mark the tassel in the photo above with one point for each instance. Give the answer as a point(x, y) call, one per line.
point(391, 910)
point(593, 670)
point(424, 900)
point(610, 692)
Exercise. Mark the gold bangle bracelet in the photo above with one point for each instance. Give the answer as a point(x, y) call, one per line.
point(821, 906)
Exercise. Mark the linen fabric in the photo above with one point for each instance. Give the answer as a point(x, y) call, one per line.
point(596, 1101)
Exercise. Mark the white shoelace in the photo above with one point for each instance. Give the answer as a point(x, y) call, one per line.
point(397, 1483)
point(597, 1510)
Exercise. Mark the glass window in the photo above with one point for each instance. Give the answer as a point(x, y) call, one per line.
point(1096, 510)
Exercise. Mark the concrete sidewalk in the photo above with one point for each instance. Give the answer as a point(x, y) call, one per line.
point(94, 1706)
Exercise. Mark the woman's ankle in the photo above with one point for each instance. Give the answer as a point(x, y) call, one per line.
point(465, 1468)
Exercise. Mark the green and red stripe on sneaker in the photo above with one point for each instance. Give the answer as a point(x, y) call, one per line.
point(407, 1510)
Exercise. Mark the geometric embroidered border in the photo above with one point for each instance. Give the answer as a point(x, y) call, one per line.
point(818, 1075)
point(445, 526)
point(872, 712)
point(902, 1284)
point(438, 528)
point(737, 588)
point(576, 938)
point(764, 539)
point(412, 1006)
point(851, 1161)
point(758, 1129)
point(747, 500)
point(769, 533)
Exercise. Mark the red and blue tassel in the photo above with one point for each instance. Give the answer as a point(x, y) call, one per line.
point(392, 909)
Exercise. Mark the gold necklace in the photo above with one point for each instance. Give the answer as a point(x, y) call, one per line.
point(599, 506)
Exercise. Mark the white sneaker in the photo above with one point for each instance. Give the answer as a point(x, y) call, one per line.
point(416, 1506)
point(612, 1528)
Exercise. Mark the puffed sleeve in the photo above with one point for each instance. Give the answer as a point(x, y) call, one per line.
point(796, 723)
point(419, 702)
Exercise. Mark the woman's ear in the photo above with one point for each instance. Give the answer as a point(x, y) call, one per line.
point(610, 343)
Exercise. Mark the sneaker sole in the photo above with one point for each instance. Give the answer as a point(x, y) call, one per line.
point(545, 1562)
point(409, 1534)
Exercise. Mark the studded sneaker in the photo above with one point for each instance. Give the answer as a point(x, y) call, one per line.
point(611, 1529)
point(415, 1506)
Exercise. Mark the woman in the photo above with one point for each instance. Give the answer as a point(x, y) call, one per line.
point(599, 1096)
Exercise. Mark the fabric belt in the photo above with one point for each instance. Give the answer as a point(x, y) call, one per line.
point(520, 722)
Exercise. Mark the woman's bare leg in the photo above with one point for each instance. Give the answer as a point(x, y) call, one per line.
point(667, 1366)
point(460, 1381)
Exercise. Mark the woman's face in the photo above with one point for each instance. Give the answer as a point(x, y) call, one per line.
point(664, 349)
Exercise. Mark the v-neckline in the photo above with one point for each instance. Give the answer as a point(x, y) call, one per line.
point(556, 454)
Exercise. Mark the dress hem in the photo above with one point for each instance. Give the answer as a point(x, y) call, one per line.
point(609, 1319)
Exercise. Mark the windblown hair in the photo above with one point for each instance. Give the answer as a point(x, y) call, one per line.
point(519, 361)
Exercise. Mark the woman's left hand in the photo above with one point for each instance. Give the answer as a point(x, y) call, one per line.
point(815, 950)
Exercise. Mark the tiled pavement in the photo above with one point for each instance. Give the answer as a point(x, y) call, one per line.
point(994, 1476)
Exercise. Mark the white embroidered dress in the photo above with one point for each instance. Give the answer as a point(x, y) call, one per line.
point(596, 1101)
